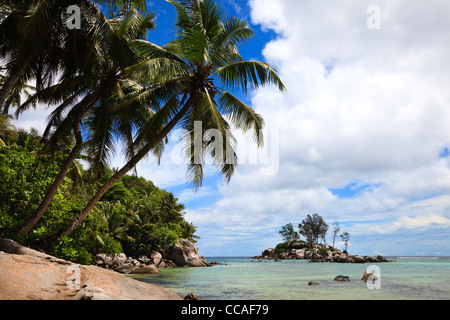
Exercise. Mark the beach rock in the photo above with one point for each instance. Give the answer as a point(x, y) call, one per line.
point(358, 259)
point(126, 268)
point(119, 259)
point(268, 252)
point(143, 259)
point(318, 253)
point(91, 294)
point(156, 258)
point(313, 283)
point(296, 245)
point(366, 276)
point(381, 259)
point(342, 278)
point(149, 269)
point(185, 253)
point(370, 259)
point(27, 274)
point(191, 296)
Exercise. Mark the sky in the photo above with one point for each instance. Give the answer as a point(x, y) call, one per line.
point(361, 137)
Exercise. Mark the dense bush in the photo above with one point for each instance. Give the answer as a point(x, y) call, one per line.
point(134, 216)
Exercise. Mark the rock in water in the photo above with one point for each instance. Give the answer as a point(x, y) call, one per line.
point(126, 268)
point(191, 296)
point(150, 269)
point(342, 278)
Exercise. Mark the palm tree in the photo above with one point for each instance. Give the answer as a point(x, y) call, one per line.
point(184, 76)
point(34, 31)
point(98, 90)
point(6, 128)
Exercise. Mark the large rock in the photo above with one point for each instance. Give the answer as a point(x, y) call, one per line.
point(26, 274)
point(156, 258)
point(185, 253)
point(268, 252)
point(296, 245)
point(341, 278)
point(298, 253)
point(150, 269)
point(126, 268)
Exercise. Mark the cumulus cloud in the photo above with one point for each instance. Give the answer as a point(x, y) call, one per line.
point(363, 106)
point(406, 222)
point(366, 109)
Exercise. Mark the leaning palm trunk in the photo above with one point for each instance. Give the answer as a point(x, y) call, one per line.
point(65, 167)
point(204, 52)
point(127, 167)
point(51, 192)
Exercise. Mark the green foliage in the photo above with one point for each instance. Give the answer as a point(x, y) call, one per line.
point(25, 178)
point(288, 233)
point(313, 228)
point(134, 217)
point(323, 252)
point(69, 249)
point(281, 247)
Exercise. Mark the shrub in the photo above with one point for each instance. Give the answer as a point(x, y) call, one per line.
point(281, 247)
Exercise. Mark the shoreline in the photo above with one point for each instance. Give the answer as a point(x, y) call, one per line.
point(27, 274)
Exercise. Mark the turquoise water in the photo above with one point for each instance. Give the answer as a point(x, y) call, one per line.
point(241, 279)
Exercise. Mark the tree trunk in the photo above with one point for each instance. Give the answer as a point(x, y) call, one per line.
point(127, 167)
point(10, 82)
point(51, 192)
point(30, 222)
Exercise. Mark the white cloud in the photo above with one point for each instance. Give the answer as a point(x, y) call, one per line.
point(406, 222)
point(362, 105)
point(371, 106)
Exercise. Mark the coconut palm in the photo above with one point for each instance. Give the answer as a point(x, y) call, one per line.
point(190, 80)
point(35, 40)
point(97, 93)
point(6, 128)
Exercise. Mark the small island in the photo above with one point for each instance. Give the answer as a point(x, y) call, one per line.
point(314, 229)
point(317, 253)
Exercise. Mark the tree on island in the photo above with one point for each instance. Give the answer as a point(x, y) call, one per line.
point(313, 228)
point(288, 233)
point(335, 230)
point(346, 239)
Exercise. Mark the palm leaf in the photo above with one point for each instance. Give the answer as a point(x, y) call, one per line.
point(242, 116)
point(245, 74)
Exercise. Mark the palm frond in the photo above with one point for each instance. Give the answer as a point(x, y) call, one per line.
point(249, 74)
point(242, 116)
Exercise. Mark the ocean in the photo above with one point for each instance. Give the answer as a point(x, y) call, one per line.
point(409, 278)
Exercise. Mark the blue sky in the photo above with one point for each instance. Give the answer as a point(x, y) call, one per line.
point(361, 137)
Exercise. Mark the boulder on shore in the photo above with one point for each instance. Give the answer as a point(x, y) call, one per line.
point(27, 274)
point(185, 254)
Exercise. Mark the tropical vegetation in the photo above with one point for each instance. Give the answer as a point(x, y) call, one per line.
point(134, 216)
point(105, 85)
point(314, 229)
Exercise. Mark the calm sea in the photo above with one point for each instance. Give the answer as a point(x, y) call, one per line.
point(245, 279)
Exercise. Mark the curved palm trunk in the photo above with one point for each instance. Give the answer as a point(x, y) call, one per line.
point(127, 167)
point(51, 192)
point(30, 222)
